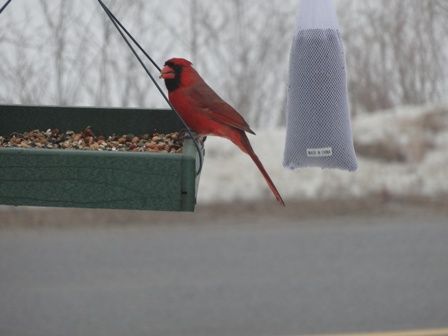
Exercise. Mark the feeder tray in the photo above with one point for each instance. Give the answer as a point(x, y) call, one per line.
point(93, 179)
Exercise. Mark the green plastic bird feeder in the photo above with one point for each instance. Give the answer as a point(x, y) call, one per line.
point(92, 179)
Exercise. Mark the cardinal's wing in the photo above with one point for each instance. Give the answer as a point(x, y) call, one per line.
point(216, 108)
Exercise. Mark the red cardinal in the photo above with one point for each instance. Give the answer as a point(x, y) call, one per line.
point(206, 113)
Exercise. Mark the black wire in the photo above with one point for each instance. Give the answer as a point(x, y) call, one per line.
point(120, 29)
point(5, 5)
point(114, 18)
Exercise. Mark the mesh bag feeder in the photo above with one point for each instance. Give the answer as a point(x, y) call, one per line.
point(319, 132)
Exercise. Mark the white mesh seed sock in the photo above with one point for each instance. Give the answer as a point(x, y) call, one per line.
point(319, 132)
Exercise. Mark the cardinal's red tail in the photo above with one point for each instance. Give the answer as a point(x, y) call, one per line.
point(243, 143)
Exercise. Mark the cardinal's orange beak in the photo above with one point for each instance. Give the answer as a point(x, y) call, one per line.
point(167, 73)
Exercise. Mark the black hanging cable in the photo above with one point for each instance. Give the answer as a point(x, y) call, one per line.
point(114, 18)
point(5, 5)
point(124, 31)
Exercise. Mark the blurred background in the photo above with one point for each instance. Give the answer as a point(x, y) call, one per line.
point(363, 251)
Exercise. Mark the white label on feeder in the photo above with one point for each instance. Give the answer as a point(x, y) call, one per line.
point(319, 152)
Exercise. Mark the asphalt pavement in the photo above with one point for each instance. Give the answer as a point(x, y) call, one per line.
point(341, 274)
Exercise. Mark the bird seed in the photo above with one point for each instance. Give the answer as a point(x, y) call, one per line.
point(87, 140)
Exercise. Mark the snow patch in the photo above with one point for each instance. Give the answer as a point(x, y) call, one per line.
point(230, 175)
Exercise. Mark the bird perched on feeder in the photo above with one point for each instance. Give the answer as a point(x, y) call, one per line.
point(206, 113)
